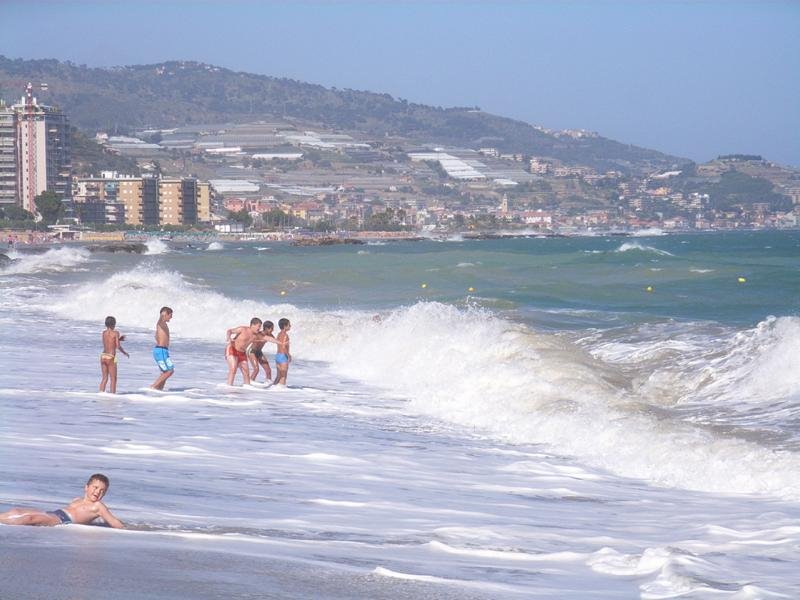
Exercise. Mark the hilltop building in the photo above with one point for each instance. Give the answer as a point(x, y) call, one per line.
point(151, 201)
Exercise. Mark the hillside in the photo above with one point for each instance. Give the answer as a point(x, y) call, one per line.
point(180, 93)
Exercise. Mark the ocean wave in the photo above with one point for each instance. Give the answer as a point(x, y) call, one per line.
point(213, 246)
point(470, 367)
point(637, 247)
point(156, 246)
point(735, 369)
point(650, 232)
point(65, 258)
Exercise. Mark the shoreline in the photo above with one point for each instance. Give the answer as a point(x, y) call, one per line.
point(33, 239)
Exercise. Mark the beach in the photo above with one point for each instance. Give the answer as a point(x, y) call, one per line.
point(463, 419)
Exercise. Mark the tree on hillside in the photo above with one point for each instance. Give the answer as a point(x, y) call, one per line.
point(49, 206)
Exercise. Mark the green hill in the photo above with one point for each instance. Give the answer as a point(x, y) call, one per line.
point(181, 93)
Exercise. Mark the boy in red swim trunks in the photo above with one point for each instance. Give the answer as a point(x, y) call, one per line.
point(239, 338)
point(81, 511)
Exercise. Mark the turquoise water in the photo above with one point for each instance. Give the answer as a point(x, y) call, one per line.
point(692, 276)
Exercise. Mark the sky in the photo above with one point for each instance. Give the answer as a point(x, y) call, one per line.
point(693, 78)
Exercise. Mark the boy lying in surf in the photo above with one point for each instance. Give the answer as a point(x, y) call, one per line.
point(81, 511)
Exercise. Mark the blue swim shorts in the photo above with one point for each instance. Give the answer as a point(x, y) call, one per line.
point(281, 358)
point(62, 516)
point(161, 356)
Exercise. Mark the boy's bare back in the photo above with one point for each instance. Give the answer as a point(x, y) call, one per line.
point(111, 340)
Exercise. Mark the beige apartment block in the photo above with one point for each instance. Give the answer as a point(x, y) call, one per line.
point(130, 194)
point(203, 201)
point(150, 201)
point(170, 205)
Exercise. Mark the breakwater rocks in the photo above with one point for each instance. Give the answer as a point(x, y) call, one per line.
point(131, 248)
point(326, 242)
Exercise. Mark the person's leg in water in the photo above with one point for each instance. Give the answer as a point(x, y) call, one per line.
point(103, 373)
point(29, 516)
point(253, 360)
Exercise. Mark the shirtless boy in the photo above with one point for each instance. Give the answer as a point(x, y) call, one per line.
point(283, 356)
point(108, 357)
point(239, 338)
point(81, 511)
point(161, 350)
point(255, 352)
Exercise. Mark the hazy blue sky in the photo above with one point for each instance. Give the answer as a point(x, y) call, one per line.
point(696, 78)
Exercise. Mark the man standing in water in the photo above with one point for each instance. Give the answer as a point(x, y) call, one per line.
point(161, 351)
point(239, 340)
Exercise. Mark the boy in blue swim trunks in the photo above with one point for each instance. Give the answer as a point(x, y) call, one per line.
point(81, 510)
point(283, 356)
point(161, 350)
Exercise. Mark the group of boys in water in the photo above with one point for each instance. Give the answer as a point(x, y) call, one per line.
point(244, 349)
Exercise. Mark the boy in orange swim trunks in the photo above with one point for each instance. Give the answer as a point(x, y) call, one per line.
point(108, 357)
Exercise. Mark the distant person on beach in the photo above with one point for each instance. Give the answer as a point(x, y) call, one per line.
point(161, 350)
point(108, 357)
point(238, 339)
point(80, 511)
point(283, 357)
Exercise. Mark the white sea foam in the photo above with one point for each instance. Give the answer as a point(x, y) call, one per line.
point(649, 232)
point(64, 258)
point(156, 246)
point(214, 246)
point(637, 247)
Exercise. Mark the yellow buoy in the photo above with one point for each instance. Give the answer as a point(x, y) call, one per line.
point(649, 288)
point(424, 285)
point(742, 280)
point(472, 289)
point(283, 292)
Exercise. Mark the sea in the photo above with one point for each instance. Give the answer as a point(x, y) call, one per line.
point(571, 418)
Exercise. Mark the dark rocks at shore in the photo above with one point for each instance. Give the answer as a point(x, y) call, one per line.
point(4, 260)
point(326, 242)
point(131, 248)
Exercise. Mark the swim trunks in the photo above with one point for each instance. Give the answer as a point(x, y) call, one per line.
point(161, 356)
point(107, 356)
point(230, 350)
point(62, 516)
point(281, 358)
